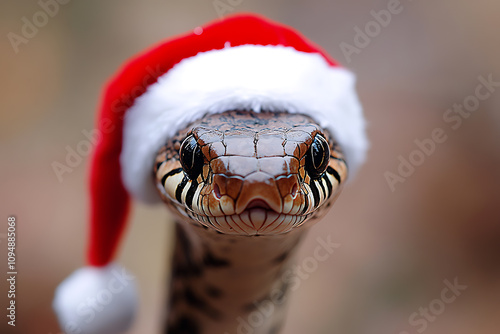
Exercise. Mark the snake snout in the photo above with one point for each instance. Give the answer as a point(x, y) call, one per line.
point(257, 190)
point(261, 190)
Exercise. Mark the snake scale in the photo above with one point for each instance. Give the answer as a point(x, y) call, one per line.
point(247, 131)
point(244, 188)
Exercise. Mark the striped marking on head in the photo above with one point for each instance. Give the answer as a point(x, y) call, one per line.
point(252, 173)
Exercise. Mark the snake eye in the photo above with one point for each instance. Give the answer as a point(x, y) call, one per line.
point(318, 156)
point(191, 157)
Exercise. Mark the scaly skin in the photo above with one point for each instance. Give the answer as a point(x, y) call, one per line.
point(241, 214)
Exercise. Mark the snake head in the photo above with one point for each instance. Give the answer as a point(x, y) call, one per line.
point(248, 173)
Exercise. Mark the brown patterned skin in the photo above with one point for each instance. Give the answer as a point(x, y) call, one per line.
point(241, 211)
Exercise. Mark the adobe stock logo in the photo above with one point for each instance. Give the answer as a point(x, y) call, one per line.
point(31, 26)
point(93, 310)
point(292, 279)
point(75, 155)
point(222, 7)
point(372, 29)
point(426, 315)
point(454, 118)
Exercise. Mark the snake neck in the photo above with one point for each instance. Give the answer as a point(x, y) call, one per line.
point(229, 284)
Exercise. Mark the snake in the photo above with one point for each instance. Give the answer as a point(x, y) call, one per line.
point(244, 188)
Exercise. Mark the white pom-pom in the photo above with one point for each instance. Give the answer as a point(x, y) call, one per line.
point(96, 300)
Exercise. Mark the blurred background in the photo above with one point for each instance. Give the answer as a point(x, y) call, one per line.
point(401, 236)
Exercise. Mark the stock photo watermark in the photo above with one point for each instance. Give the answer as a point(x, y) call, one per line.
point(31, 25)
point(292, 279)
point(424, 316)
point(363, 36)
point(11, 270)
point(223, 7)
point(75, 155)
point(453, 117)
point(88, 310)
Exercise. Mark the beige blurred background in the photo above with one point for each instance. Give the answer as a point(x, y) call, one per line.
point(397, 247)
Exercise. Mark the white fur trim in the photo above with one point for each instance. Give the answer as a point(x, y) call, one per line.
point(245, 77)
point(96, 300)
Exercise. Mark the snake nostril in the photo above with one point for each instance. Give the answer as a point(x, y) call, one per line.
point(294, 190)
point(217, 191)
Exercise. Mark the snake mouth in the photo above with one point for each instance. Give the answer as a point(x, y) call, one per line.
point(252, 221)
point(258, 203)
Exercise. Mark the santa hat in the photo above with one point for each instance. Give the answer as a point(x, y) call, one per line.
point(242, 62)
